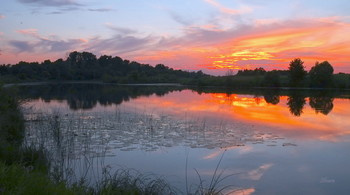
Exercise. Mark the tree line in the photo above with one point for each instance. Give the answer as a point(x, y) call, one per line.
point(321, 75)
point(86, 66)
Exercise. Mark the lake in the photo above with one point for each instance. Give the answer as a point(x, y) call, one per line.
point(264, 141)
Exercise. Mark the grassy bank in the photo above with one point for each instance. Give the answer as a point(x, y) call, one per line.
point(22, 170)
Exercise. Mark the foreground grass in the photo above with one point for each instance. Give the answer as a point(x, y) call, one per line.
point(17, 179)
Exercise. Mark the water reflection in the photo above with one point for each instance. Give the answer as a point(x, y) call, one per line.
point(259, 131)
point(296, 102)
point(272, 97)
point(300, 113)
point(87, 96)
point(321, 103)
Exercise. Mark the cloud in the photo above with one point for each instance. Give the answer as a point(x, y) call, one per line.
point(75, 7)
point(1, 16)
point(120, 44)
point(226, 10)
point(271, 44)
point(55, 12)
point(46, 46)
point(22, 46)
point(120, 29)
point(180, 19)
point(60, 45)
point(42, 44)
point(51, 2)
point(101, 10)
point(32, 32)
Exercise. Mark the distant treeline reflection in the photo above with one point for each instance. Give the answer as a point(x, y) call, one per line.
point(87, 96)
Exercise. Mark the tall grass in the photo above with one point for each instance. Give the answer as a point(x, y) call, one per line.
point(17, 179)
point(214, 187)
point(129, 181)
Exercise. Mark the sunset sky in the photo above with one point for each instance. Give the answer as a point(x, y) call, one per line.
point(209, 35)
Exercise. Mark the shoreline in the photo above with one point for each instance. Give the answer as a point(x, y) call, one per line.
point(5, 85)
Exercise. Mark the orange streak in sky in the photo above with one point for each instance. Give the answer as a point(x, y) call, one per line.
point(269, 46)
point(323, 41)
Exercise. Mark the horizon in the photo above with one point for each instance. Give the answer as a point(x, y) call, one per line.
point(209, 35)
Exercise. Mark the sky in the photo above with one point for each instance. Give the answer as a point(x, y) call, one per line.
point(214, 36)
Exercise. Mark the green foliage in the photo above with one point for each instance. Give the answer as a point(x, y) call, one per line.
point(321, 74)
point(297, 72)
point(16, 179)
point(341, 80)
point(128, 181)
point(11, 126)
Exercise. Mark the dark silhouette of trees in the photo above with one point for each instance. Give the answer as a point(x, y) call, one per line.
point(271, 79)
point(297, 72)
point(86, 66)
point(296, 102)
point(272, 96)
point(322, 101)
point(255, 72)
point(321, 74)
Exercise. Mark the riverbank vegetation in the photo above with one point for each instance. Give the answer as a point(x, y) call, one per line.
point(85, 66)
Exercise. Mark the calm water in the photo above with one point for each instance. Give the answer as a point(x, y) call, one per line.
point(285, 142)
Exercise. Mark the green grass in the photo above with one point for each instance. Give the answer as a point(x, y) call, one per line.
point(17, 179)
point(128, 181)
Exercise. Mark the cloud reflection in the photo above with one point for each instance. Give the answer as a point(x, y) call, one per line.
point(247, 191)
point(256, 174)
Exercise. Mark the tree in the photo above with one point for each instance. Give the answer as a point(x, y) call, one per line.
point(321, 74)
point(271, 79)
point(297, 72)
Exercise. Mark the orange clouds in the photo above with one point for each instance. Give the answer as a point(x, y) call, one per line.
point(269, 43)
point(311, 41)
point(28, 31)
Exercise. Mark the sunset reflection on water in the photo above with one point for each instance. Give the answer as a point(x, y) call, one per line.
point(255, 110)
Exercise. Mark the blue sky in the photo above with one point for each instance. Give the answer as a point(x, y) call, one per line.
point(209, 35)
